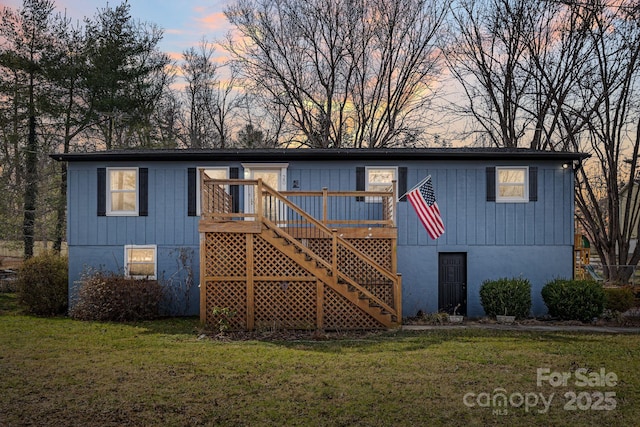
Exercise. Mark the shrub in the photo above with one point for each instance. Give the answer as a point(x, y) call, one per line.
point(42, 284)
point(107, 296)
point(619, 299)
point(506, 296)
point(574, 299)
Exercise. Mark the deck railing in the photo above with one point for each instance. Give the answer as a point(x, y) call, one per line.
point(236, 199)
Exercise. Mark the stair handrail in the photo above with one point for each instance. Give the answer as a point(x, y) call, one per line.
point(389, 275)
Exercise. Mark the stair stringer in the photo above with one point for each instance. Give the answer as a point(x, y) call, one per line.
point(340, 283)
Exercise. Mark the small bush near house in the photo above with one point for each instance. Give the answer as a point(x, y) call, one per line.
point(504, 296)
point(574, 299)
point(42, 284)
point(110, 297)
point(619, 299)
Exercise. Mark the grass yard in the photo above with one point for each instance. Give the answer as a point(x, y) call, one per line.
point(64, 372)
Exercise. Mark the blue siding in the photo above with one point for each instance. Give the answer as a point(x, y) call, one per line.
point(501, 239)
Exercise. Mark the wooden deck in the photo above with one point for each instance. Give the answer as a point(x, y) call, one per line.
point(277, 263)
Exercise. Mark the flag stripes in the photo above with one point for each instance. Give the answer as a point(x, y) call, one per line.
point(423, 200)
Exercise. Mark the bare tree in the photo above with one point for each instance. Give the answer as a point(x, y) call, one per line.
point(210, 97)
point(561, 75)
point(346, 73)
point(518, 62)
point(611, 113)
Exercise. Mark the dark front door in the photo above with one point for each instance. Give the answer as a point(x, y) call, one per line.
point(452, 282)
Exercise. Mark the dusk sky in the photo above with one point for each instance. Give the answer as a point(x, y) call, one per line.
point(185, 22)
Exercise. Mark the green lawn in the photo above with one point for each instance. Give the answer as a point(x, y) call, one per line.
point(65, 372)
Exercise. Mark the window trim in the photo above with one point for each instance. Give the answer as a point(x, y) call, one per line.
point(199, 170)
point(155, 261)
point(109, 192)
point(525, 185)
point(367, 182)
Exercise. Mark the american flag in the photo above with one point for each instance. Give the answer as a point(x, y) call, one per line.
point(424, 202)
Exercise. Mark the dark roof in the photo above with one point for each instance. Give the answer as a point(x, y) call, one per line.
point(320, 154)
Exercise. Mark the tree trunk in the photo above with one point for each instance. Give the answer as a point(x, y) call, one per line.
point(31, 190)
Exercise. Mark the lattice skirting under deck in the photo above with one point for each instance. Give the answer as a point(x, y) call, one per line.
point(264, 288)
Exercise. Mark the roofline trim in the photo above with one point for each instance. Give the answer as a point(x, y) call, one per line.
point(307, 154)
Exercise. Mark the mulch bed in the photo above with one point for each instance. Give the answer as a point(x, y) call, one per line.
point(279, 335)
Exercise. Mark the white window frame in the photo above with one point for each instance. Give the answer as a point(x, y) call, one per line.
point(503, 199)
point(200, 170)
point(368, 182)
point(127, 248)
point(249, 169)
point(110, 192)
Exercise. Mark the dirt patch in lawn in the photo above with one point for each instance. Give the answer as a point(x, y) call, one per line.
point(292, 335)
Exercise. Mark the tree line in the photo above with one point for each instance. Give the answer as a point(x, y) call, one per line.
point(546, 75)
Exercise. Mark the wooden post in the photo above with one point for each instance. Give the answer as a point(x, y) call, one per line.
point(325, 200)
point(397, 298)
point(394, 202)
point(250, 286)
point(319, 304)
point(258, 200)
point(334, 253)
point(203, 281)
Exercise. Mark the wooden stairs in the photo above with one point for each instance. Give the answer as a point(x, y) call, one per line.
point(267, 271)
point(329, 275)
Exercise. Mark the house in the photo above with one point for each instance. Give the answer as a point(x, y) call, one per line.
point(315, 238)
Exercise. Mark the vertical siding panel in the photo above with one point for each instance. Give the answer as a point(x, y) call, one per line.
point(529, 219)
point(461, 211)
point(490, 221)
point(185, 223)
point(130, 233)
point(140, 230)
point(521, 212)
point(154, 191)
point(307, 179)
point(172, 210)
point(444, 183)
point(72, 198)
point(85, 208)
point(480, 200)
point(160, 206)
point(170, 221)
point(549, 208)
point(122, 234)
point(499, 224)
point(509, 223)
point(560, 203)
point(540, 210)
point(471, 200)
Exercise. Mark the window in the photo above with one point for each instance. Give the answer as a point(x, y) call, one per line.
point(140, 261)
point(379, 179)
point(122, 185)
point(512, 184)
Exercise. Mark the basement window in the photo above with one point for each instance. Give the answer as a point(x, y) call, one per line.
point(140, 261)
